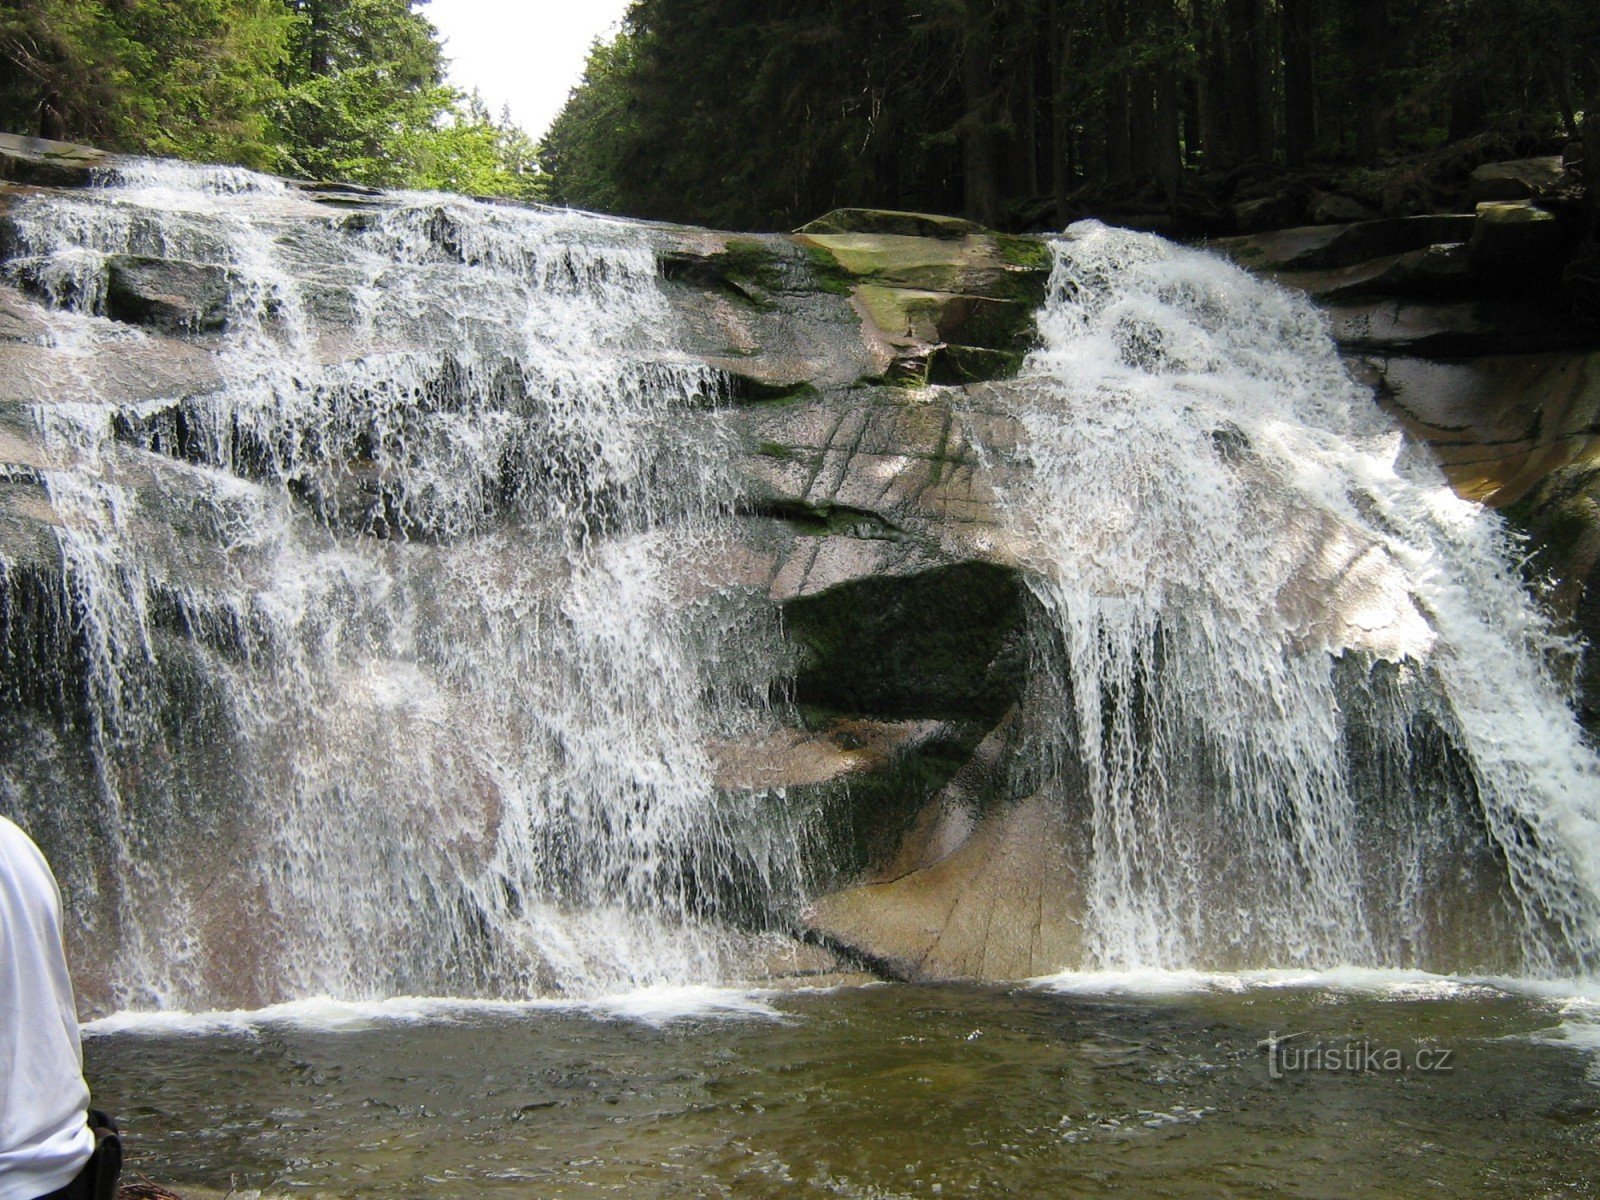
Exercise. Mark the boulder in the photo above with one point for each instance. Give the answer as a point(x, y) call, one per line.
point(1323, 247)
point(1450, 329)
point(1330, 208)
point(167, 294)
point(1520, 179)
point(820, 310)
point(884, 221)
point(45, 163)
point(923, 294)
point(1518, 243)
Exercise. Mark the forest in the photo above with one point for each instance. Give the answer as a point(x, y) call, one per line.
point(1028, 113)
point(1186, 116)
point(330, 89)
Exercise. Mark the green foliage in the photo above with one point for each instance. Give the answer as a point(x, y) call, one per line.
point(581, 153)
point(364, 74)
point(328, 89)
point(467, 151)
point(753, 115)
point(196, 78)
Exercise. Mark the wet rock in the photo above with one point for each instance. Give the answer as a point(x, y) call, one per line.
point(1560, 516)
point(1498, 424)
point(45, 163)
point(167, 294)
point(1005, 904)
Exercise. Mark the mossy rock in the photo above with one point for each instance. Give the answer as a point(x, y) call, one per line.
point(1030, 253)
point(877, 220)
point(949, 317)
point(944, 643)
point(757, 270)
point(1001, 269)
point(824, 520)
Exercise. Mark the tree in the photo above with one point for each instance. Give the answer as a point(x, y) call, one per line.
point(189, 78)
point(468, 151)
point(349, 89)
point(363, 76)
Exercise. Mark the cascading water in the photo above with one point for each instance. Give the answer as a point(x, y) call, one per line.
point(388, 660)
point(1308, 711)
point(335, 743)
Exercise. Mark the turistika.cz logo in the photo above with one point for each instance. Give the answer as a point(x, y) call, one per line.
point(1287, 1055)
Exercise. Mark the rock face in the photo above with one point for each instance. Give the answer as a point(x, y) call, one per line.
point(866, 357)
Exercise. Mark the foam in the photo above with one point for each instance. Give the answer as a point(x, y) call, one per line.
point(655, 1006)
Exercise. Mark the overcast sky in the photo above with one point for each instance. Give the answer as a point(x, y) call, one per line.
point(525, 53)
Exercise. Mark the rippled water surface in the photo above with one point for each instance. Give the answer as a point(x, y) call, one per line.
point(879, 1091)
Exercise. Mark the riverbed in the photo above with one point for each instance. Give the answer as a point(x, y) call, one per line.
point(1373, 1085)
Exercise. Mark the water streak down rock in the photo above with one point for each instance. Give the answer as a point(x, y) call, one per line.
point(404, 593)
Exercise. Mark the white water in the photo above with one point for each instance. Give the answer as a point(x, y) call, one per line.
point(1216, 512)
point(339, 746)
point(657, 1005)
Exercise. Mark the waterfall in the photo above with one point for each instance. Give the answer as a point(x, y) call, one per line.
point(1305, 707)
point(393, 637)
point(398, 675)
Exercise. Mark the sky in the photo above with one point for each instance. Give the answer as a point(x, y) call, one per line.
point(524, 53)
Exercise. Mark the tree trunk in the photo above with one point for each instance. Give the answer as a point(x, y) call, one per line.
point(1061, 181)
point(1216, 138)
point(1299, 79)
point(1243, 94)
point(1591, 160)
point(1142, 124)
point(1023, 173)
point(1369, 59)
point(1119, 147)
point(1167, 147)
point(979, 159)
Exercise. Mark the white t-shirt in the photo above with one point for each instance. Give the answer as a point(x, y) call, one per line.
point(44, 1130)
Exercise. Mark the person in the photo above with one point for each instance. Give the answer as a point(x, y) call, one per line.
point(51, 1146)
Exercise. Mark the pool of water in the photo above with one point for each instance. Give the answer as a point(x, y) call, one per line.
point(1083, 1088)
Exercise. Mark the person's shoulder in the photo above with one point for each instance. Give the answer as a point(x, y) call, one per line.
point(15, 844)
